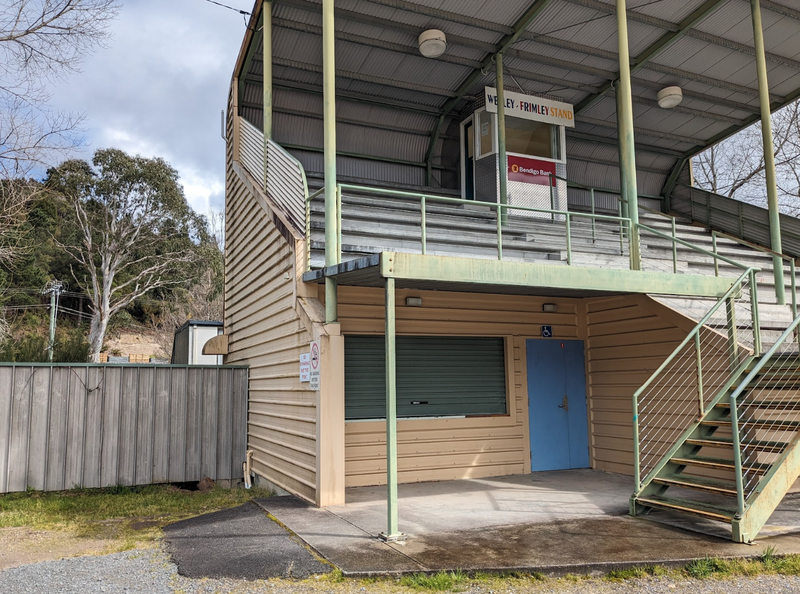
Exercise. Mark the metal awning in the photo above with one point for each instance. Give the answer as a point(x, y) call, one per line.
point(391, 99)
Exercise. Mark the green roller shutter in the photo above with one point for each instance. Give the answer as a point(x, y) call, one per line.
point(436, 376)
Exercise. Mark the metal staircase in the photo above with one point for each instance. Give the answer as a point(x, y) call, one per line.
point(717, 426)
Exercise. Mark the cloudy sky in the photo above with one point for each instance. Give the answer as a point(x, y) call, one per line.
point(159, 86)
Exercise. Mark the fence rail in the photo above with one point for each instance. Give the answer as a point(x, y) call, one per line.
point(85, 425)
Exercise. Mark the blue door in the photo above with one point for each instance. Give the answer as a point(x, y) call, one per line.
point(557, 404)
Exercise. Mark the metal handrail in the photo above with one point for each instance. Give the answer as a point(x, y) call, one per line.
point(754, 246)
point(697, 248)
point(737, 453)
point(425, 198)
point(748, 274)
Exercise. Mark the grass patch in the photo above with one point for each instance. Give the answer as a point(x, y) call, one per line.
point(618, 575)
point(437, 582)
point(128, 515)
point(769, 562)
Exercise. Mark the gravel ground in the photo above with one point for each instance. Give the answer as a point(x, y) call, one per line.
point(152, 572)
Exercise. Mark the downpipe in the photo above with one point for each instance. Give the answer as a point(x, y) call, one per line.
point(247, 468)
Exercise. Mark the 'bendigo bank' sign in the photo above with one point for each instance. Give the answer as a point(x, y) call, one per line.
point(532, 108)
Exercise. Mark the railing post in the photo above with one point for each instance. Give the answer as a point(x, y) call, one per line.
point(594, 222)
point(674, 248)
point(731, 327)
point(737, 457)
point(552, 194)
point(338, 224)
point(755, 315)
point(637, 462)
point(308, 233)
point(621, 229)
point(792, 271)
point(423, 224)
point(569, 240)
point(699, 357)
point(714, 249)
point(499, 232)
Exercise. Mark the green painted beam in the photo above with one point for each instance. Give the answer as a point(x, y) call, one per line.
point(656, 48)
point(248, 60)
point(312, 149)
point(445, 269)
point(534, 10)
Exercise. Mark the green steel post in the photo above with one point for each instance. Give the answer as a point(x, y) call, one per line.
point(338, 224)
point(621, 230)
point(627, 147)
point(499, 232)
point(737, 457)
point(675, 248)
point(699, 357)
point(329, 115)
point(732, 327)
point(754, 313)
point(423, 223)
point(714, 249)
point(391, 415)
point(502, 159)
point(266, 43)
point(637, 466)
point(569, 241)
point(792, 271)
point(769, 152)
point(552, 195)
point(622, 198)
point(594, 221)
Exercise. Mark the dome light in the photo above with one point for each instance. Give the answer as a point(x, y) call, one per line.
point(432, 43)
point(669, 97)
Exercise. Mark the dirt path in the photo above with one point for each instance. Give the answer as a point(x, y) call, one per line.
point(22, 546)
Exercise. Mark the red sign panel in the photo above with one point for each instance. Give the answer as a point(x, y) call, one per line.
point(531, 171)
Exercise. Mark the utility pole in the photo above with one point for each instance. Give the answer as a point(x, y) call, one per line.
point(54, 289)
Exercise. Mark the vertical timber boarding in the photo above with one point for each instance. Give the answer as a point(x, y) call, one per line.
point(270, 321)
point(64, 426)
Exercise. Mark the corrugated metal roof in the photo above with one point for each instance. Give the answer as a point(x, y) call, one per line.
point(568, 51)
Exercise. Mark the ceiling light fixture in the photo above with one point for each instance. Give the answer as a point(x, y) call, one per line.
point(432, 43)
point(670, 97)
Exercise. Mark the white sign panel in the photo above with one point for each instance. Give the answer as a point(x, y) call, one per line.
point(314, 366)
point(305, 367)
point(532, 108)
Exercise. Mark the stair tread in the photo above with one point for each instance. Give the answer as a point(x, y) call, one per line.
point(763, 423)
point(699, 483)
point(716, 463)
point(764, 445)
point(774, 404)
point(689, 506)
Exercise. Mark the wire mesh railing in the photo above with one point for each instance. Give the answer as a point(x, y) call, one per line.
point(765, 414)
point(691, 378)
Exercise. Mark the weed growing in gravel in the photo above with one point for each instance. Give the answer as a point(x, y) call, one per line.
point(128, 515)
point(618, 575)
point(437, 582)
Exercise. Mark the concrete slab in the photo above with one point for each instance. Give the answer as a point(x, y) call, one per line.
point(238, 543)
point(551, 522)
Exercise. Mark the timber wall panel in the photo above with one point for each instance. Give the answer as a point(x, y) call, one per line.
point(266, 333)
point(66, 426)
point(626, 341)
point(452, 448)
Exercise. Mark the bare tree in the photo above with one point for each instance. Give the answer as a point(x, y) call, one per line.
point(134, 231)
point(735, 167)
point(42, 41)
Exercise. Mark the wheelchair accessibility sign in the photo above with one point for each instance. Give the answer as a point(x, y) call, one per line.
point(547, 332)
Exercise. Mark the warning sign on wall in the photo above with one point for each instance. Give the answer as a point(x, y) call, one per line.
point(305, 367)
point(314, 366)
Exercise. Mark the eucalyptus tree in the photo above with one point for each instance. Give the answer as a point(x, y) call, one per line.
point(133, 232)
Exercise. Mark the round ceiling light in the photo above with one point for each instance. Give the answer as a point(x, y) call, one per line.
point(670, 97)
point(432, 43)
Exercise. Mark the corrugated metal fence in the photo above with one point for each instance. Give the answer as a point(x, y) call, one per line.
point(83, 425)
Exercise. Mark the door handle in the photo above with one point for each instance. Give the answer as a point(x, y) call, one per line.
point(564, 403)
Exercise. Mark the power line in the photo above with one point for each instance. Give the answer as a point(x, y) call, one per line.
point(242, 12)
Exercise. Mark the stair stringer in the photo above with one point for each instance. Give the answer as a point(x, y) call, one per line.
point(680, 448)
point(769, 493)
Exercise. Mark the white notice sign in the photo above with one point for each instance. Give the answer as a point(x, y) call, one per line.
point(315, 365)
point(533, 108)
point(305, 367)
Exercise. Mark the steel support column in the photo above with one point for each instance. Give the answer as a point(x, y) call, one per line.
point(623, 209)
point(769, 152)
point(266, 49)
point(392, 531)
point(502, 158)
point(329, 113)
point(627, 147)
